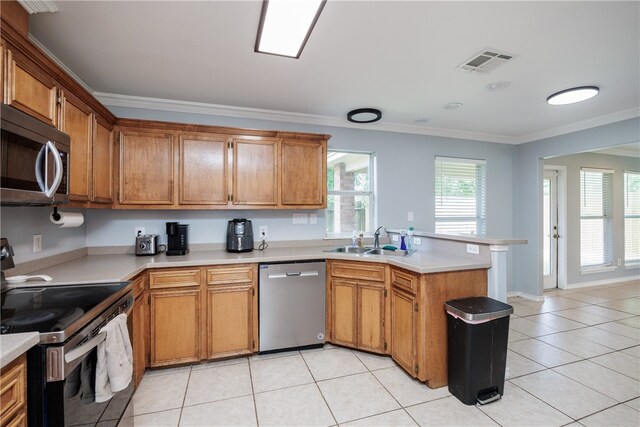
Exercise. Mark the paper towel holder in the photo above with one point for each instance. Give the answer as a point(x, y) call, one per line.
point(55, 214)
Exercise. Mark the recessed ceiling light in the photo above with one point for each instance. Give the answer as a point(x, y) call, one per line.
point(452, 106)
point(573, 95)
point(364, 115)
point(497, 86)
point(285, 26)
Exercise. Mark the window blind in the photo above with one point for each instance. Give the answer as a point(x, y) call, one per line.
point(460, 196)
point(631, 217)
point(596, 219)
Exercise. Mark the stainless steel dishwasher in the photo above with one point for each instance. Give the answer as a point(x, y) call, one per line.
point(291, 305)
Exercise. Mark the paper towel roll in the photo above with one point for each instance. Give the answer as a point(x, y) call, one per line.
point(68, 219)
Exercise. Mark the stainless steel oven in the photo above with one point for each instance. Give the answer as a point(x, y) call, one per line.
point(34, 159)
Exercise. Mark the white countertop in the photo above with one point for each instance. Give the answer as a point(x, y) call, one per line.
point(115, 268)
point(464, 237)
point(13, 345)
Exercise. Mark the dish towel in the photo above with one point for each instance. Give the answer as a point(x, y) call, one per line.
point(114, 367)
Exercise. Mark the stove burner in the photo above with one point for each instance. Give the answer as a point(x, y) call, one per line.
point(36, 316)
point(43, 320)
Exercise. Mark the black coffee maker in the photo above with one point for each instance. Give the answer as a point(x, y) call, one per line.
point(177, 238)
point(239, 235)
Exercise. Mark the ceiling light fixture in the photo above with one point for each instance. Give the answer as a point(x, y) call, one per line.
point(452, 106)
point(364, 115)
point(573, 95)
point(498, 86)
point(285, 26)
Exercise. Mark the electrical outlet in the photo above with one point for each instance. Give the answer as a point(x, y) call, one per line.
point(410, 216)
point(619, 262)
point(313, 218)
point(394, 238)
point(140, 231)
point(263, 232)
point(37, 243)
point(417, 241)
point(473, 249)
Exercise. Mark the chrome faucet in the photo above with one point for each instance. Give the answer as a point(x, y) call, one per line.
point(376, 238)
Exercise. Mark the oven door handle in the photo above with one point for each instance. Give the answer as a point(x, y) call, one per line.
point(78, 352)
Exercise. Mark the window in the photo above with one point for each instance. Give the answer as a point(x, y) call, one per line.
point(631, 218)
point(460, 196)
point(596, 219)
point(350, 197)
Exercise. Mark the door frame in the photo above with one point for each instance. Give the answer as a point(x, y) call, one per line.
point(562, 222)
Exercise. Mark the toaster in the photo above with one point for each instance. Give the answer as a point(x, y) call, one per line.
point(147, 244)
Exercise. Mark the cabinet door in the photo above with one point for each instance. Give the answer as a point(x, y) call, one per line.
point(344, 312)
point(203, 170)
point(403, 330)
point(77, 122)
point(139, 338)
point(175, 327)
point(304, 172)
point(371, 317)
point(255, 171)
point(146, 168)
point(30, 89)
point(102, 161)
point(231, 320)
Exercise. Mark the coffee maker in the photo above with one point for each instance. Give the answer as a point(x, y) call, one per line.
point(239, 235)
point(177, 238)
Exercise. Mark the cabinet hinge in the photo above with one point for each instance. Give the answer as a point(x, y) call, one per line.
point(230, 145)
point(416, 369)
point(385, 346)
point(148, 299)
point(385, 293)
point(253, 344)
point(253, 291)
point(416, 307)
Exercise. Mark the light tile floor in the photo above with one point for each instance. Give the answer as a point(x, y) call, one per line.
point(573, 359)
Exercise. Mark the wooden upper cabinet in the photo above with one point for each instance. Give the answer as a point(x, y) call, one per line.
point(102, 161)
point(255, 171)
point(304, 171)
point(203, 170)
point(77, 122)
point(146, 168)
point(29, 89)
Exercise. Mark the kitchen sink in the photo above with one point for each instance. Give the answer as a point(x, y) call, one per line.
point(369, 251)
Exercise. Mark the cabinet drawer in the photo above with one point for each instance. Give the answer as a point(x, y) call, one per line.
point(226, 275)
point(13, 390)
point(358, 270)
point(404, 280)
point(174, 279)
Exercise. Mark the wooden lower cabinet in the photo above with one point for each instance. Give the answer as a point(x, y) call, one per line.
point(231, 316)
point(175, 326)
point(404, 330)
point(358, 307)
point(139, 338)
point(13, 389)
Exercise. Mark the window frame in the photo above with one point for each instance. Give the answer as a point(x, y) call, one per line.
point(634, 263)
point(371, 193)
point(607, 222)
point(480, 218)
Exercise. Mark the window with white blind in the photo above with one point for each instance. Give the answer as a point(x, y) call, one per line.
point(596, 219)
point(460, 196)
point(631, 218)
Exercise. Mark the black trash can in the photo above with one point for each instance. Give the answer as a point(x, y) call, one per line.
point(478, 330)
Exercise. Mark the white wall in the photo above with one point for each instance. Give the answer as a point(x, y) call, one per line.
point(528, 190)
point(573, 163)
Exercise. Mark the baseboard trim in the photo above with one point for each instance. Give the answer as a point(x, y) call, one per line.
point(525, 295)
point(601, 282)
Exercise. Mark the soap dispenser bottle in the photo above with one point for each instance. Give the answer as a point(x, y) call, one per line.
point(403, 245)
point(354, 239)
point(410, 239)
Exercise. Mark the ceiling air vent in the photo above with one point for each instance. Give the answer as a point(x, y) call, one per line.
point(485, 60)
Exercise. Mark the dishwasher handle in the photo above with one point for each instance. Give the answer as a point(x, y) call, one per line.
point(314, 273)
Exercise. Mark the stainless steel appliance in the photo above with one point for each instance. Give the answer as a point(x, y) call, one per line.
point(239, 235)
point(6, 257)
point(147, 244)
point(292, 305)
point(34, 162)
point(177, 238)
point(69, 319)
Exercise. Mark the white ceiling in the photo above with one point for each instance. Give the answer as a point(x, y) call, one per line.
point(400, 57)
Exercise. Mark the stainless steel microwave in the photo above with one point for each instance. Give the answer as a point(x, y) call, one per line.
point(34, 159)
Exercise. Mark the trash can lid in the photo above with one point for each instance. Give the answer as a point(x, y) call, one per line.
point(478, 308)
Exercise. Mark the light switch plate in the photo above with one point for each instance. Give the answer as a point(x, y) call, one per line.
point(410, 216)
point(473, 249)
point(300, 218)
point(394, 238)
point(417, 241)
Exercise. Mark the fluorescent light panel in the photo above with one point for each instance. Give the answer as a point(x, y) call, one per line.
point(285, 26)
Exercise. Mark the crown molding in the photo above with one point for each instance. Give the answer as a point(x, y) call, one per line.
point(578, 126)
point(175, 106)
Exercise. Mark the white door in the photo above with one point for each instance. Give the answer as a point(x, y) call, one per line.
point(550, 229)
